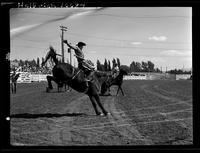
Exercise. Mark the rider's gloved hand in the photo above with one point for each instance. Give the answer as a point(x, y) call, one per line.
point(65, 41)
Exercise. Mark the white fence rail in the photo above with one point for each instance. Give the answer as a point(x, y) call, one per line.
point(26, 77)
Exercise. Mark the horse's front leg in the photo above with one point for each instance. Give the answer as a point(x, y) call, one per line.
point(120, 88)
point(49, 78)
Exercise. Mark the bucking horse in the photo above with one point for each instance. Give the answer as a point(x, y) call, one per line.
point(74, 77)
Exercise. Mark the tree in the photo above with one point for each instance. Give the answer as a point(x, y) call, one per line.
point(109, 67)
point(150, 66)
point(145, 67)
point(138, 67)
point(33, 63)
point(26, 62)
point(21, 63)
point(133, 67)
point(98, 65)
point(38, 62)
point(125, 67)
point(118, 62)
point(105, 65)
point(114, 63)
point(157, 70)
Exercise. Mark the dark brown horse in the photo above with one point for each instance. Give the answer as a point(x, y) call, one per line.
point(74, 77)
point(118, 81)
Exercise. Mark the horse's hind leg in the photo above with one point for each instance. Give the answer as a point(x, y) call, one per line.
point(92, 99)
point(117, 91)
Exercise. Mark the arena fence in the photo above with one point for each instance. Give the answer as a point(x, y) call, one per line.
point(26, 77)
point(150, 76)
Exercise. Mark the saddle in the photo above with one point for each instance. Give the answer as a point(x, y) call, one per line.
point(87, 64)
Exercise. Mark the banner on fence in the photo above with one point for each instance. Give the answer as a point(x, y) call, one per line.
point(26, 77)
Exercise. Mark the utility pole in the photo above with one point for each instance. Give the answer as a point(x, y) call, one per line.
point(70, 57)
point(62, 44)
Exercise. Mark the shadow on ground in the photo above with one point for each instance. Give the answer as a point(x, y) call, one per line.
point(48, 115)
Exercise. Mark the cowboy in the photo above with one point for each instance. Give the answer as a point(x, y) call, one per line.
point(14, 78)
point(78, 49)
point(115, 70)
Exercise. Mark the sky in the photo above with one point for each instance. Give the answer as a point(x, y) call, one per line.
point(162, 35)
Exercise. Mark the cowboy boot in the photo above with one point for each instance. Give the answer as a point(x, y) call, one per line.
point(87, 78)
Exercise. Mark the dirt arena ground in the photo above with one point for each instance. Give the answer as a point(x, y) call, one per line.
point(151, 113)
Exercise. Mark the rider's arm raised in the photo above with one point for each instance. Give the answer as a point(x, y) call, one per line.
point(69, 45)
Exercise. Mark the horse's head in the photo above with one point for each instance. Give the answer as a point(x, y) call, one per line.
point(123, 72)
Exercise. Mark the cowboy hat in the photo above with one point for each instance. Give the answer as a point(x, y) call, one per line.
point(81, 44)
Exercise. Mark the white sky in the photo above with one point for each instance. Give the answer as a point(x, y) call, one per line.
point(162, 35)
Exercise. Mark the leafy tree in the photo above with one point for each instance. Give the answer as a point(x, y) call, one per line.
point(157, 70)
point(21, 63)
point(133, 67)
point(109, 67)
point(38, 62)
point(26, 62)
point(138, 67)
point(105, 65)
point(150, 66)
point(125, 67)
point(33, 63)
point(145, 67)
point(114, 63)
point(118, 62)
point(98, 65)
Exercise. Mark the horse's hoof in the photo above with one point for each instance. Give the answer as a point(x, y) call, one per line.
point(48, 89)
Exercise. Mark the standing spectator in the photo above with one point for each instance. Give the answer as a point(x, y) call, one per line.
point(14, 78)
